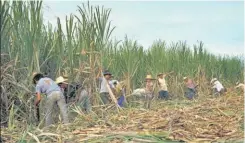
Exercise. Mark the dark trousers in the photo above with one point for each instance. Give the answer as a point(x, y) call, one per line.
point(105, 97)
point(163, 94)
point(190, 93)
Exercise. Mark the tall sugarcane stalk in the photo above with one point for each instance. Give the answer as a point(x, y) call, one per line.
point(33, 46)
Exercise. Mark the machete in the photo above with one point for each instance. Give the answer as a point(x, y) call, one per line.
point(38, 113)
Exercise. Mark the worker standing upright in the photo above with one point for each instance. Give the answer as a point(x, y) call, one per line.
point(163, 89)
point(104, 92)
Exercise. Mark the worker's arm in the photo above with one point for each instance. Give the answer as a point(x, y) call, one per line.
point(168, 73)
point(99, 73)
point(98, 76)
point(38, 94)
point(38, 98)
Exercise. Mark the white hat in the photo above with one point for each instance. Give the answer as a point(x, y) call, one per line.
point(60, 79)
point(213, 80)
point(184, 78)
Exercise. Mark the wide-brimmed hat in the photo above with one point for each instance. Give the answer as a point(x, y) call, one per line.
point(107, 73)
point(149, 77)
point(160, 74)
point(213, 80)
point(184, 78)
point(61, 79)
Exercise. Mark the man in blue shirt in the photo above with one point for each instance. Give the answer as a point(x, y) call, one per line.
point(54, 95)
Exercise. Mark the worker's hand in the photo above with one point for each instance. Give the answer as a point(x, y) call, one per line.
point(37, 102)
point(83, 52)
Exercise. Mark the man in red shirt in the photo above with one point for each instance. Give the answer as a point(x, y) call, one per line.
point(190, 92)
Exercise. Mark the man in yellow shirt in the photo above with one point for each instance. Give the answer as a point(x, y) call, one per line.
point(163, 89)
point(119, 91)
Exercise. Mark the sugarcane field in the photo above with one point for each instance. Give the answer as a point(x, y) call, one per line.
point(71, 80)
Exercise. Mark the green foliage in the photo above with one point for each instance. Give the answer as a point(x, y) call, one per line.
point(34, 46)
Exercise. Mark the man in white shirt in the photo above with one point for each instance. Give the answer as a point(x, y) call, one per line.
point(104, 93)
point(217, 86)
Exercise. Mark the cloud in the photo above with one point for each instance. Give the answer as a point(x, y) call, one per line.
point(225, 49)
point(218, 25)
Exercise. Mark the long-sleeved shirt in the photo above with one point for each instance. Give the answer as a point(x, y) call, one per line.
point(217, 85)
point(162, 84)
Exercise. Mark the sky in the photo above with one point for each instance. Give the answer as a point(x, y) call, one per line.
point(219, 25)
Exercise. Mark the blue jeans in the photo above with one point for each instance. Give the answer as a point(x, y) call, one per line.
point(190, 93)
point(120, 100)
point(163, 94)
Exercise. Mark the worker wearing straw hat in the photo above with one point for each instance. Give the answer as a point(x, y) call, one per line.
point(54, 95)
point(149, 82)
point(217, 87)
point(163, 90)
point(190, 92)
point(148, 90)
point(62, 83)
point(104, 93)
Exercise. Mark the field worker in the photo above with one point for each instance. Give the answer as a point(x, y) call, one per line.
point(148, 90)
point(163, 90)
point(119, 92)
point(54, 95)
point(190, 93)
point(240, 85)
point(104, 92)
point(138, 92)
point(217, 86)
point(62, 83)
point(149, 83)
point(83, 99)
